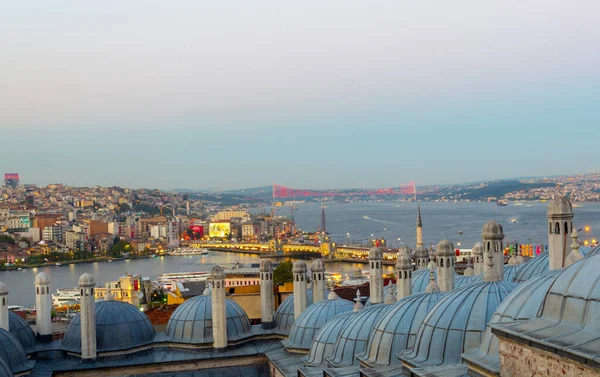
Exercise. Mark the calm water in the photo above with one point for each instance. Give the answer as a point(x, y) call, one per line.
point(390, 220)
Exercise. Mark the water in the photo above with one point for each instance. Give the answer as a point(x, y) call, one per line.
point(390, 220)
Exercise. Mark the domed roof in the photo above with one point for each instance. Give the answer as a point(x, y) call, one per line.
point(404, 259)
point(22, 331)
point(314, 318)
point(534, 267)
point(511, 271)
point(87, 280)
point(5, 369)
point(12, 353)
point(266, 265)
point(492, 229)
point(376, 253)
point(397, 328)
point(284, 316)
point(354, 336)
point(42, 279)
point(559, 205)
point(317, 265)
point(463, 280)
point(421, 252)
point(3, 289)
point(456, 324)
point(420, 279)
point(523, 303)
point(477, 249)
point(299, 267)
point(217, 272)
point(445, 248)
point(191, 322)
point(323, 344)
point(119, 326)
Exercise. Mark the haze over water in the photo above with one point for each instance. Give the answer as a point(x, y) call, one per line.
point(390, 220)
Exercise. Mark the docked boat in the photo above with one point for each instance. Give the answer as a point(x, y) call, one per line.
point(183, 251)
point(66, 296)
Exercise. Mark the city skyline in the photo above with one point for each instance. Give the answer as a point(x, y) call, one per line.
point(211, 96)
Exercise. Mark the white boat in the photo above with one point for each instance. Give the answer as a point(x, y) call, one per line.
point(513, 220)
point(66, 296)
point(188, 251)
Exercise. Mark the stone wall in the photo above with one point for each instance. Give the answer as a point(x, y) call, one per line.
point(517, 359)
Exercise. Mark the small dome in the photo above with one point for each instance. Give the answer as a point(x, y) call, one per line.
point(397, 329)
point(323, 344)
point(13, 354)
point(420, 279)
point(3, 289)
point(317, 265)
point(191, 322)
point(306, 327)
point(477, 249)
point(354, 336)
point(492, 229)
point(522, 304)
point(42, 279)
point(534, 267)
point(559, 205)
point(404, 260)
point(284, 316)
point(469, 271)
point(299, 267)
point(421, 252)
point(22, 331)
point(456, 324)
point(266, 265)
point(87, 280)
point(462, 281)
point(119, 326)
point(445, 248)
point(375, 253)
point(217, 272)
point(5, 369)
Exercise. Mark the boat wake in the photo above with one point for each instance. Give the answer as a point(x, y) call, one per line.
point(380, 221)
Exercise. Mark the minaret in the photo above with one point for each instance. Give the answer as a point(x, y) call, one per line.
point(219, 317)
point(478, 258)
point(560, 225)
point(376, 280)
point(404, 270)
point(445, 265)
point(419, 227)
point(493, 250)
point(43, 306)
point(318, 280)
point(575, 254)
point(421, 257)
point(4, 306)
point(299, 272)
point(323, 227)
point(266, 294)
point(88, 317)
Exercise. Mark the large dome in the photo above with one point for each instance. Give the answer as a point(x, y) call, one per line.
point(420, 279)
point(355, 335)
point(323, 344)
point(5, 369)
point(456, 324)
point(397, 329)
point(314, 318)
point(461, 281)
point(191, 322)
point(534, 267)
point(511, 271)
point(284, 316)
point(119, 326)
point(13, 354)
point(22, 331)
point(522, 304)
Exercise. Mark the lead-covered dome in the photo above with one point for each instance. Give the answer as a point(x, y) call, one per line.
point(42, 279)
point(22, 331)
point(375, 253)
point(354, 336)
point(397, 329)
point(119, 327)
point(445, 248)
point(5, 369)
point(12, 353)
point(317, 265)
point(308, 324)
point(191, 322)
point(532, 268)
point(266, 265)
point(464, 280)
point(456, 324)
point(492, 229)
point(86, 280)
point(420, 279)
point(284, 316)
point(559, 205)
point(325, 339)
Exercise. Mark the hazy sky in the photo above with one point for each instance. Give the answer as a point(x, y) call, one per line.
point(231, 94)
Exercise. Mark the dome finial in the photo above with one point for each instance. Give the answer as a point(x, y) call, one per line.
point(109, 296)
point(358, 305)
point(332, 296)
point(432, 286)
point(469, 270)
point(575, 255)
point(207, 290)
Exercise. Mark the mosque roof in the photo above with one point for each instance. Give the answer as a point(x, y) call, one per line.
point(325, 339)
point(461, 281)
point(534, 267)
point(354, 336)
point(511, 271)
point(308, 324)
point(420, 279)
point(191, 322)
point(119, 326)
point(397, 328)
point(284, 316)
point(456, 324)
point(523, 303)
point(12, 353)
point(568, 318)
point(5, 369)
point(22, 331)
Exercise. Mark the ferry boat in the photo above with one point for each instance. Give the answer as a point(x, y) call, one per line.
point(502, 202)
point(188, 251)
point(66, 296)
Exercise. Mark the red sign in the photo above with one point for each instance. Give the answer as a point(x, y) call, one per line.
point(198, 229)
point(136, 285)
point(14, 176)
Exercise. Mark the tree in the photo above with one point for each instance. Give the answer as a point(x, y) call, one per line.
point(7, 239)
point(283, 273)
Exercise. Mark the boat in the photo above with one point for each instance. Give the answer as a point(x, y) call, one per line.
point(513, 220)
point(66, 296)
point(58, 264)
point(501, 202)
point(460, 232)
point(184, 251)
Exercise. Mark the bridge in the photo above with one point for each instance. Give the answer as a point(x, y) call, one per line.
point(280, 192)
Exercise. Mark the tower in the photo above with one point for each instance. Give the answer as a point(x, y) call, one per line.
point(445, 265)
point(88, 317)
point(478, 258)
point(376, 282)
point(299, 272)
point(419, 227)
point(318, 280)
point(266, 294)
point(493, 251)
point(3, 306)
point(560, 225)
point(219, 317)
point(43, 305)
point(323, 224)
point(404, 273)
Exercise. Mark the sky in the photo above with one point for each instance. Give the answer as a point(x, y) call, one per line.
point(306, 94)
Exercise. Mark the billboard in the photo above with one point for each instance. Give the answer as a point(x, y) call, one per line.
point(219, 230)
